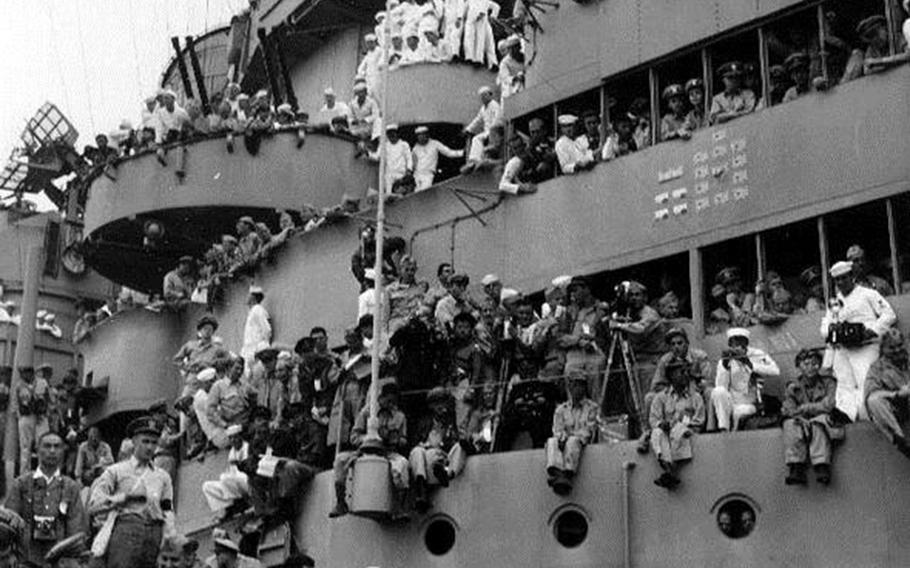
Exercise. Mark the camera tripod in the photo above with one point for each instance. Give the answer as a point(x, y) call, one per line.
point(620, 346)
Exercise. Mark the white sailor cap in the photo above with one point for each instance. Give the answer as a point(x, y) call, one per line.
point(329, 91)
point(484, 89)
point(841, 268)
point(489, 279)
point(512, 40)
point(392, 126)
point(233, 429)
point(370, 274)
point(738, 332)
point(284, 108)
point(243, 97)
point(360, 86)
point(562, 281)
point(206, 374)
point(421, 130)
point(428, 25)
point(261, 94)
point(256, 290)
point(508, 294)
point(151, 98)
point(380, 16)
point(167, 93)
point(412, 31)
point(369, 37)
point(567, 119)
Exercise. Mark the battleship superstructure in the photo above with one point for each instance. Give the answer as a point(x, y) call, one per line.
point(789, 186)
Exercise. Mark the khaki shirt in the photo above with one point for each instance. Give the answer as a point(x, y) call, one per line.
point(133, 479)
point(576, 420)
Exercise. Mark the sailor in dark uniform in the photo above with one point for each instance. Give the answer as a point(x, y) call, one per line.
point(47, 501)
point(797, 66)
point(142, 495)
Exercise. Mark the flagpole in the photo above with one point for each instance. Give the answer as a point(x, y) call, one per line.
point(372, 440)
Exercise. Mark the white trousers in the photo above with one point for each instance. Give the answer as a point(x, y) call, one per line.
point(475, 153)
point(725, 408)
point(231, 485)
point(423, 180)
point(850, 369)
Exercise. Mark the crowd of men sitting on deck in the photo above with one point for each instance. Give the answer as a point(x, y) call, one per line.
point(461, 374)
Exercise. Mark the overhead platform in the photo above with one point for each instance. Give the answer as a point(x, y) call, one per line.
point(218, 188)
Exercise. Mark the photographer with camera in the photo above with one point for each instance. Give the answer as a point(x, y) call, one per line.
point(641, 324)
point(47, 501)
point(739, 379)
point(580, 333)
point(853, 327)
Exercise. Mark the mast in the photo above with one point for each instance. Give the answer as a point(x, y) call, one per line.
point(25, 353)
point(372, 438)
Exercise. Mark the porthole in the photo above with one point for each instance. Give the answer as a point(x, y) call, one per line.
point(440, 536)
point(570, 528)
point(736, 518)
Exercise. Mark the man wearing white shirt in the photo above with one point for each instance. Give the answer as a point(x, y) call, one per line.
point(736, 392)
point(453, 16)
point(257, 333)
point(333, 108)
point(370, 64)
point(365, 122)
point(854, 353)
point(513, 175)
point(435, 51)
point(572, 157)
point(170, 118)
point(399, 160)
point(426, 157)
point(490, 113)
point(413, 52)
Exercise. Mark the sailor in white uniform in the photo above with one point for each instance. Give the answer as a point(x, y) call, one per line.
point(852, 358)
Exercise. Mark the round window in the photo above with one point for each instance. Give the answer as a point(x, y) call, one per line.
point(736, 518)
point(440, 536)
point(570, 528)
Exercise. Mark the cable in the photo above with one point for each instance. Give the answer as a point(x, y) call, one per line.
point(132, 18)
point(88, 89)
point(58, 59)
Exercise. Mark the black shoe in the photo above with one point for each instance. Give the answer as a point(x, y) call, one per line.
point(797, 475)
point(340, 510)
point(665, 480)
point(644, 443)
point(562, 485)
point(822, 473)
point(442, 474)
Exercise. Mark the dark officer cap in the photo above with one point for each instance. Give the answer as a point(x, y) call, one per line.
point(795, 61)
point(695, 84)
point(207, 320)
point(159, 405)
point(579, 281)
point(460, 278)
point(731, 69)
point(808, 354)
point(870, 24)
point(728, 275)
point(674, 332)
point(777, 72)
point(674, 90)
point(144, 425)
point(70, 547)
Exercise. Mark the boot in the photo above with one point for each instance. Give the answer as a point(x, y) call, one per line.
point(797, 475)
point(341, 506)
point(562, 485)
point(441, 474)
point(902, 446)
point(399, 507)
point(421, 502)
point(644, 442)
point(822, 473)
